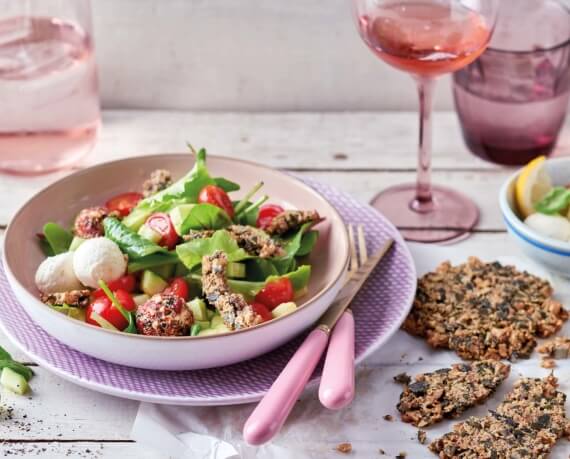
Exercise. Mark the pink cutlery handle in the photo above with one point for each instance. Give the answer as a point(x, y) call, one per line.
point(272, 411)
point(337, 382)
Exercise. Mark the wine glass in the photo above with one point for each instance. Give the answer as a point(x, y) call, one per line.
point(426, 38)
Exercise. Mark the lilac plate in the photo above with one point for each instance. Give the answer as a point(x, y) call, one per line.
point(379, 309)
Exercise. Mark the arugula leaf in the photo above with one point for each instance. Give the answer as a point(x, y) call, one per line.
point(185, 190)
point(226, 185)
point(130, 242)
point(191, 252)
point(554, 202)
point(58, 238)
point(198, 217)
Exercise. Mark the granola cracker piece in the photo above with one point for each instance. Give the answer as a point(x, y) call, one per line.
point(158, 181)
point(448, 392)
point(291, 220)
point(78, 298)
point(526, 425)
point(484, 310)
point(233, 307)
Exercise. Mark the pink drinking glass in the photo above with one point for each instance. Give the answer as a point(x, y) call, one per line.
point(512, 101)
point(426, 38)
point(49, 114)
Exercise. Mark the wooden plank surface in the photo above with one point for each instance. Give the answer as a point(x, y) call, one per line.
point(360, 153)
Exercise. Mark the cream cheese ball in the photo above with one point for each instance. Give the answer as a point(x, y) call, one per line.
point(554, 226)
point(98, 259)
point(56, 274)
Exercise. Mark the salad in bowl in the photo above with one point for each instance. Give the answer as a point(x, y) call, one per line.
point(179, 258)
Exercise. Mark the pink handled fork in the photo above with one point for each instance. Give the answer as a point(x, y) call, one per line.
point(336, 389)
point(272, 411)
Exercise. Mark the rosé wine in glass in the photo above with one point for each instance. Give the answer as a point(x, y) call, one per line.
point(48, 92)
point(426, 38)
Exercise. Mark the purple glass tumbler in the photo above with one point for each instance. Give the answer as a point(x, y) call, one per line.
point(512, 101)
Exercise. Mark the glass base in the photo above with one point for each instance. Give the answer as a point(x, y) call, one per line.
point(450, 216)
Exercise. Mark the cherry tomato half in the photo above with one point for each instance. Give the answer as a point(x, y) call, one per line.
point(109, 312)
point(276, 292)
point(266, 215)
point(127, 282)
point(212, 194)
point(262, 310)
point(178, 287)
point(123, 203)
point(161, 223)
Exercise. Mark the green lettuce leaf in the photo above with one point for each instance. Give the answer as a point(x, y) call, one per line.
point(191, 252)
point(226, 185)
point(185, 190)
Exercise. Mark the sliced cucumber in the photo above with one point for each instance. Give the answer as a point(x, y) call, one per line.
point(151, 283)
point(283, 309)
point(204, 324)
point(217, 321)
point(75, 243)
point(148, 233)
point(198, 308)
point(235, 270)
point(14, 381)
point(195, 330)
point(141, 299)
point(164, 271)
point(302, 292)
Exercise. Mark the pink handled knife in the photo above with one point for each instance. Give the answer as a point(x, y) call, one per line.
point(272, 411)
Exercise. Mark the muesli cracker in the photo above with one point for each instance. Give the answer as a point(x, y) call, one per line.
point(484, 310)
point(448, 392)
point(526, 425)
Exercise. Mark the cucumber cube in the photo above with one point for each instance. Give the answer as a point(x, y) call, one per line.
point(14, 381)
point(151, 283)
point(204, 324)
point(198, 308)
point(235, 270)
point(178, 215)
point(140, 299)
point(195, 330)
point(217, 321)
point(283, 309)
point(148, 233)
point(164, 271)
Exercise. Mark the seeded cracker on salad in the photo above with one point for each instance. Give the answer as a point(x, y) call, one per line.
point(178, 258)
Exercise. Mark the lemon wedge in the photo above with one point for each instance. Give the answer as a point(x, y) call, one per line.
point(532, 184)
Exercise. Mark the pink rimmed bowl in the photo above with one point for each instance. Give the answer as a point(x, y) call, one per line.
point(61, 201)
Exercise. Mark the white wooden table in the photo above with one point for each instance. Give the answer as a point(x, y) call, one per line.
point(357, 152)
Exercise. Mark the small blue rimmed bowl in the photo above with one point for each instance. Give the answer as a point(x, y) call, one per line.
point(551, 253)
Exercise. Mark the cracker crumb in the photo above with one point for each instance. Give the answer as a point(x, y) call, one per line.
point(422, 435)
point(381, 452)
point(558, 348)
point(344, 448)
point(402, 455)
point(548, 363)
point(402, 378)
point(388, 417)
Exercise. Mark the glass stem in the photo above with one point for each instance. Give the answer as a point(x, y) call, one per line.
point(424, 201)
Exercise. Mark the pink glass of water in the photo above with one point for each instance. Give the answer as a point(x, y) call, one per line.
point(49, 104)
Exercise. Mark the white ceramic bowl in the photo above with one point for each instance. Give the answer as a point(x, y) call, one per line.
point(553, 254)
point(61, 201)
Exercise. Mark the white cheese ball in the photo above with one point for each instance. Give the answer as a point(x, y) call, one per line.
point(55, 274)
point(554, 226)
point(98, 259)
